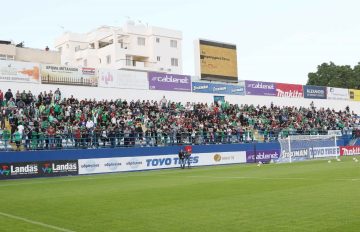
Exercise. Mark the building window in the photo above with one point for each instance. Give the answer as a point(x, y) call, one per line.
point(85, 63)
point(128, 61)
point(158, 58)
point(173, 43)
point(77, 48)
point(60, 49)
point(141, 41)
point(174, 62)
point(10, 57)
point(108, 59)
point(157, 40)
point(2, 57)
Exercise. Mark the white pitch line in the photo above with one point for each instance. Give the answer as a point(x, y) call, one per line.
point(35, 222)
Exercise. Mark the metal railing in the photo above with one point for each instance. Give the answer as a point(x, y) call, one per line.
point(94, 140)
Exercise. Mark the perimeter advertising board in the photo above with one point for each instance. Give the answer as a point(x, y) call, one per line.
point(14, 71)
point(260, 88)
point(38, 169)
point(349, 150)
point(110, 78)
point(64, 75)
point(205, 87)
point(337, 93)
point(169, 82)
point(122, 164)
point(263, 156)
point(354, 94)
point(289, 90)
point(322, 152)
point(315, 92)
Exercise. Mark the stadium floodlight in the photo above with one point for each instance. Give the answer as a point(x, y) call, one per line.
point(302, 147)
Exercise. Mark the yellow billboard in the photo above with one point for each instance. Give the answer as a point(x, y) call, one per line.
point(354, 94)
point(218, 61)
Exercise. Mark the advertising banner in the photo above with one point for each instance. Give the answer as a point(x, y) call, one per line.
point(315, 92)
point(289, 90)
point(58, 168)
point(38, 169)
point(218, 61)
point(121, 164)
point(260, 88)
point(349, 150)
point(237, 90)
point(296, 155)
point(214, 88)
point(354, 94)
point(263, 156)
point(220, 89)
point(63, 75)
point(110, 78)
point(201, 87)
point(19, 170)
point(337, 93)
point(321, 152)
point(169, 82)
point(14, 71)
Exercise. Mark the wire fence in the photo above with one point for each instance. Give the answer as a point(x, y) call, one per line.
point(121, 139)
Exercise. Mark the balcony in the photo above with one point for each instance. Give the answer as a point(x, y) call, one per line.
point(135, 65)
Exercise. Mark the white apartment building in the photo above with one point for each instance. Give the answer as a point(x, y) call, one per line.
point(133, 47)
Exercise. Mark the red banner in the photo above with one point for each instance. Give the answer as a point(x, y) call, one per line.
point(289, 90)
point(349, 150)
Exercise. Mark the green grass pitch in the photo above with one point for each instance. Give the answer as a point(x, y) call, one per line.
point(307, 196)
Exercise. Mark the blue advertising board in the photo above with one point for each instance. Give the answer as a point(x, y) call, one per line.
point(204, 87)
point(315, 92)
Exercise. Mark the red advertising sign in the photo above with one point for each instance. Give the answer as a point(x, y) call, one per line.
point(289, 90)
point(349, 150)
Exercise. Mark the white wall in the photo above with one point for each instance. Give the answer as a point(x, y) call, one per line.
point(132, 94)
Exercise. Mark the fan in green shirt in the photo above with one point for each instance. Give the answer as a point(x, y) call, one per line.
point(44, 124)
point(6, 134)
point(57, 109)
point(34, 140)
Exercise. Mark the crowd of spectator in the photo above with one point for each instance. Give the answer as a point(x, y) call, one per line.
point(47, 120)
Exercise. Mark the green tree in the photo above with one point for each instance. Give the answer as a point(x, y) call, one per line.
point(341, 76)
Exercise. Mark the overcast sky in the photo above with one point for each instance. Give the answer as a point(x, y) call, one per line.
point(277, 40)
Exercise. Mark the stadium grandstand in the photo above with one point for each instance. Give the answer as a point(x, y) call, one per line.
point(49, 121)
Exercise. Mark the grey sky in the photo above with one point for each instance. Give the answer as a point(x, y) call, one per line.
point(277, 40)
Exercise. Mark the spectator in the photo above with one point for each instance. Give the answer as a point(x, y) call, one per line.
point(6, 137)
point(17, 138)
point(57, 95)
point(1, 98)
point(8, 95)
